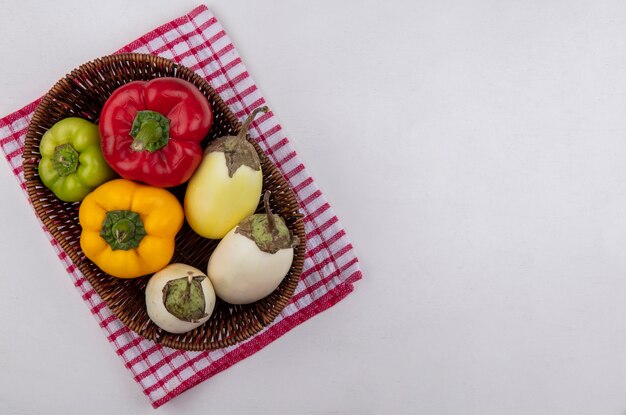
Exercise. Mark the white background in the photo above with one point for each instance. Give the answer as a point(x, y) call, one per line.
point(475, 151)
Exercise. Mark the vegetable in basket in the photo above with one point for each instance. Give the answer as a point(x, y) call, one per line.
point(151, 131)
point(179, 298)
point(71, 162)
point(227, 186)
point(252, 259)
point(129, 228)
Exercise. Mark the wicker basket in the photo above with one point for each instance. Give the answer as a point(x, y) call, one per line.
point(82, 93)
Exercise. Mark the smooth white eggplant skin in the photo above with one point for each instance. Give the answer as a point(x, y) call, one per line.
point(241, 273)
point(154, 298)
point(214, 202)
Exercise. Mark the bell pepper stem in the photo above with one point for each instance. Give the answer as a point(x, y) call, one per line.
point(122, 229)
point(65, 159)
point(150, 131)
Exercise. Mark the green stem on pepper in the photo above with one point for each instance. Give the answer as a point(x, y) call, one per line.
point(122, 229)
point(65, 159)
point(150, 131)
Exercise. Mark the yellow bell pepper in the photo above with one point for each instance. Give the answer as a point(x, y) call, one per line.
point(129, 228)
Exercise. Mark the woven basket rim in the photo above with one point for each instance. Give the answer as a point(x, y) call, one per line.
point(239, 332)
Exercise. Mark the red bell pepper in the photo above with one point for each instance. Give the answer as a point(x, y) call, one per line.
point(151, 131)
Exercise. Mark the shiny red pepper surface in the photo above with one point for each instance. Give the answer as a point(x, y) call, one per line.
point(151, 131)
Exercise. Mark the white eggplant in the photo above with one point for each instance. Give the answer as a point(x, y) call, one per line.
point(253, 258)
point(227, 186)
point(179, 298)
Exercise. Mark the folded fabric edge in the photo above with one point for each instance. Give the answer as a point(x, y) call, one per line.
point(28, 108)
point(258, 342)
point(169, 25)
point(20, 113)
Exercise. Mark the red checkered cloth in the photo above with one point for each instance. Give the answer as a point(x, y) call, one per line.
point(198, 41)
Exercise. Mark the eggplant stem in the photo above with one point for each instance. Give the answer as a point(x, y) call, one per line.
point(246, 123)
point(268, 212)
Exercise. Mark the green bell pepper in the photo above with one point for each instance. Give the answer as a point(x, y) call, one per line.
point(71, 160)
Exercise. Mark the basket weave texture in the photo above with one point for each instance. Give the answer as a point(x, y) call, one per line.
point(82, 93)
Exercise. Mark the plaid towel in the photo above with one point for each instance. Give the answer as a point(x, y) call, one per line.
point(198, 41)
